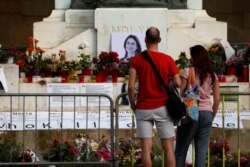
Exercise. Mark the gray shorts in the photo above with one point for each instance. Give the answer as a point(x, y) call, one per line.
point(145, 120)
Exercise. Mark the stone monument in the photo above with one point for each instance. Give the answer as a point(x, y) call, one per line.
point(83, 21)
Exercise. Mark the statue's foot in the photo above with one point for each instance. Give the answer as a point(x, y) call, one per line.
point(176, 4)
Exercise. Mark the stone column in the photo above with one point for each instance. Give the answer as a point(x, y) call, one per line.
point(62, 4)
point(58, 14)
point(194, 4)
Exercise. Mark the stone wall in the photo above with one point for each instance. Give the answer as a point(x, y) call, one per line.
point(17, 17)
point(235, 13)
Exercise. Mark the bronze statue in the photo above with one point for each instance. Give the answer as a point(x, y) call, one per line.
point(84, 4)
point(92, 4)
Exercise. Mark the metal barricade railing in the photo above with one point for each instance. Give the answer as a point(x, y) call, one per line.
point(223, 108)
point(26, 109)
point(49, 129)
point(241, 97)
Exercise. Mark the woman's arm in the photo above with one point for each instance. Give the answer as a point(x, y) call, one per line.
point(216, 97)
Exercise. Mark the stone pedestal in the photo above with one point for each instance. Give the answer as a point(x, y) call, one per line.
point(128, 20)
point(194, 4)
point(11, 72)
point(66, 27)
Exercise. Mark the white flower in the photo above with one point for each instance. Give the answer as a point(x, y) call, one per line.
point(0, 46)
point(83, 45)
point(94, 145)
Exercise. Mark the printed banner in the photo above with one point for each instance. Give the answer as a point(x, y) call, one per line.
point(93, 120)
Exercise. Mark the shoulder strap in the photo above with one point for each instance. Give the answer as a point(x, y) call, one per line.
point(150, 61)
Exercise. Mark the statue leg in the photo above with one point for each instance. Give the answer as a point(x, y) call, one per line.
point(178, 3)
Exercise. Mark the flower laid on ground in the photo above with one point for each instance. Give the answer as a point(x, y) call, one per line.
point(104, 149)
point(129, 152)
point(86, 146)
point(62, 151)
point(216, 154)
point(28, 156)
point(11, 150)
point(217, 147)
point(81, 148)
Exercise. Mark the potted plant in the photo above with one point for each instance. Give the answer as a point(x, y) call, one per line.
point(85, 60)
point(46, 69)
point(21, 61)
point(105, 63)
point(34, 56)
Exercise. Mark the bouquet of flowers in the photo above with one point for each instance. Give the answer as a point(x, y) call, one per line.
point(62, 151)
point(218, 57)
point(123, 67)
point(85, 60)
point(34, 58)
point(106, 60)
point(65, 64)
point(86, 146)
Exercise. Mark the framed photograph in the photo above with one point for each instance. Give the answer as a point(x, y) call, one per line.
point(127, 44)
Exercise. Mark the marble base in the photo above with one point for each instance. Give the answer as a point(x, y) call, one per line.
point(11, 72)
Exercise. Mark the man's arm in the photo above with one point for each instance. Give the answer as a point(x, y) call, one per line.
point(183, 85)
point(177, 80)
point(131, 87)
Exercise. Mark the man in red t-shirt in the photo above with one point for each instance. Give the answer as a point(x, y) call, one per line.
point(151, 99)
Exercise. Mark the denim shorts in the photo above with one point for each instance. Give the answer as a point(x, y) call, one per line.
point(146, 119)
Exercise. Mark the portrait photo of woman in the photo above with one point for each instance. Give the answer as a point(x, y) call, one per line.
point(132, 46)
point(127, 45)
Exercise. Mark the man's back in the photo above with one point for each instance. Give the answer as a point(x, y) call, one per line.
point(151, 93)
